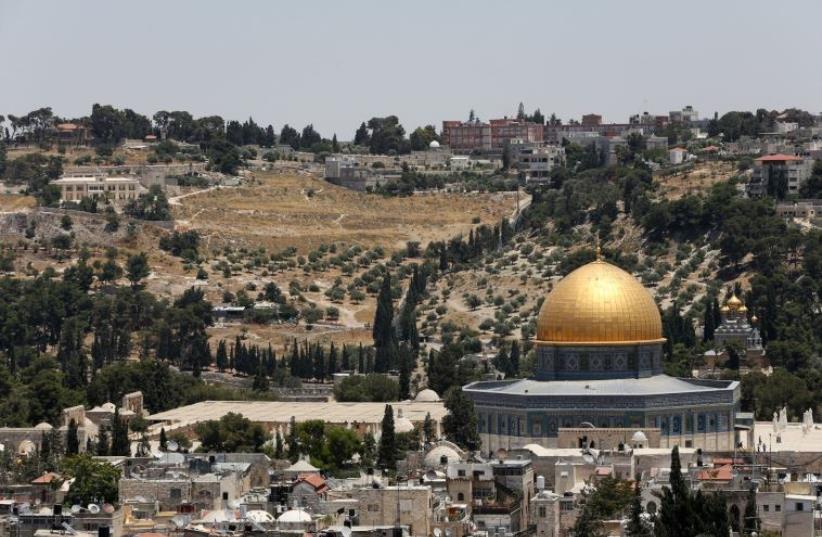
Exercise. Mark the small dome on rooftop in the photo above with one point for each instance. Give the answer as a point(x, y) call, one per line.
point(434, 144)
point(294, 516)
point(427, 396)
point(639, 438)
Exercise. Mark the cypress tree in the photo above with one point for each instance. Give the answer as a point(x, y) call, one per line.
point(119, 436)
point(387, 452)
point(428, 428)
point(385, 340)
point(221, 357)
point(514, 358)
point(345, 359)
point(751, 520)
point(102, 448)
point(260, 380)
point(163, 439)
point(293, 445)
point(708, 323)
point(406, 364)
point(72, 439)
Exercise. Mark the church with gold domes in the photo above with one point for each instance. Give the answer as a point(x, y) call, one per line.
point(599, 369)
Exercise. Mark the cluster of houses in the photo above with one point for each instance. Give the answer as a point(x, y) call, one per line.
point(440, 489)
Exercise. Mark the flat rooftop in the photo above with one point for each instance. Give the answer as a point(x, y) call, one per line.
point(791, 439)
point(653, 385)
point(282, 411)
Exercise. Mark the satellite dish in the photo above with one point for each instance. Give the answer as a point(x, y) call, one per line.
point(108, 508)
point(172, 446)
point(75, 509)
point(437, 532)
point(93, 508)
point(346, 531)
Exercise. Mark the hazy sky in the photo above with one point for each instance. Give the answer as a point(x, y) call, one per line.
point(337, 63)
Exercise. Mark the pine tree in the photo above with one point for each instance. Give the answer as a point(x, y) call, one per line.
point(460, 424)
point(503, 362)
point(387, 454)
point(335, 146)
point(637, 526)
point(163, 440)
point(72, 439)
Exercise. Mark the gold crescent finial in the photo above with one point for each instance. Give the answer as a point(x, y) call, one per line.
point(598, 250)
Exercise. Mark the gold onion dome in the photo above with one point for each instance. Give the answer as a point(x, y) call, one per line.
point(734, 302)
point(725, 309)
point(743, 309)
point(599, 303)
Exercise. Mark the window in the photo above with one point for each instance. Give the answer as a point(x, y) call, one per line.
point(543, 512)
point(766, 508)
point(800, 506)
point(175, 494)
point(460, 497)
point(461, 473)
point(777, 508)
point(373, 507)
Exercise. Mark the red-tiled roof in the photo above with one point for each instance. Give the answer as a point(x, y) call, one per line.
point(315, 480)
point(46, 478)
point(723, 473)
point(603, 471)
point(779, 157)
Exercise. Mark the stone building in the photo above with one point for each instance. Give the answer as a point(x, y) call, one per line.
point(308, 491)
point(408, 505)
point(779, 172)
point(599, 365)
point(116, 189)
point(545, 514)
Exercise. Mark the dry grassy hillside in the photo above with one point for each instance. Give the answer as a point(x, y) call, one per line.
point(302, 211)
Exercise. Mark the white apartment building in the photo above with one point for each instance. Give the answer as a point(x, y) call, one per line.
point(536, 160)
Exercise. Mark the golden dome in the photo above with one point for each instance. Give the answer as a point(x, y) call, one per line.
point(599, 303)
point(742, 309)
point(724, 309)
point(734, 302)
point(754, 319)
